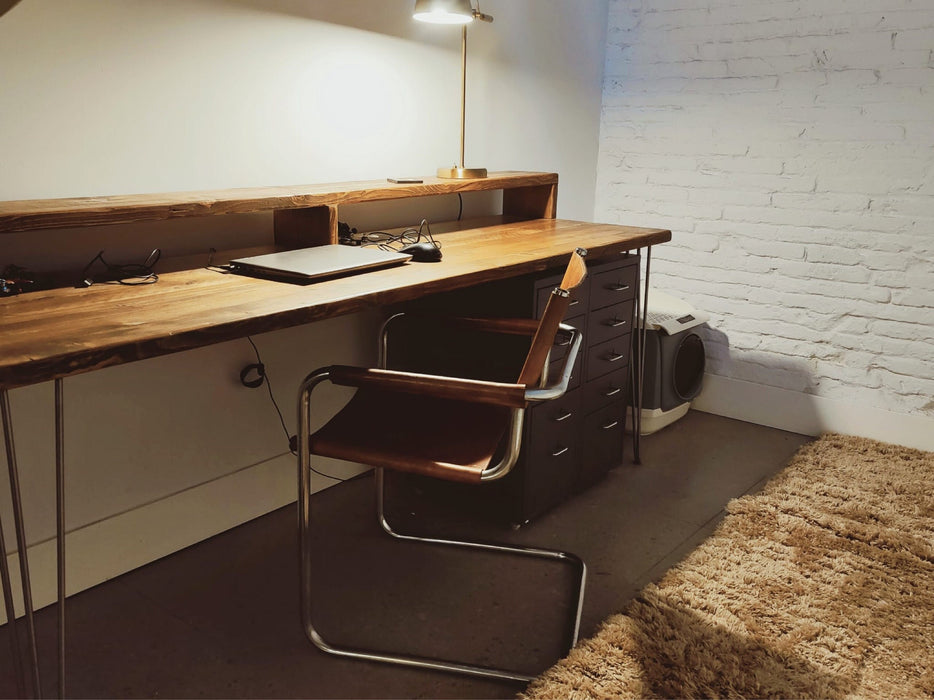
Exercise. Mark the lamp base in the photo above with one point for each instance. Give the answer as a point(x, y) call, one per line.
point(456, 173)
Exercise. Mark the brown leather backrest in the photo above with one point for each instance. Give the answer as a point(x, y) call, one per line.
point(557, 306)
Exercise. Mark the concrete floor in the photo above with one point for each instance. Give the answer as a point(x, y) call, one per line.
point(220, 619)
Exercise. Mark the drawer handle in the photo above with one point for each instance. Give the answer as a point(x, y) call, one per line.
point(615, 322)
point(614, 358)
point(563, 343)
point(560, 451)
point(612, 392)
point(611, 425)
point(574, 302)
point(564, 417)
point(618, 287)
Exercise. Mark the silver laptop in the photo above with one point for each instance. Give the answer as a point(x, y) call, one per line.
point(306, 264)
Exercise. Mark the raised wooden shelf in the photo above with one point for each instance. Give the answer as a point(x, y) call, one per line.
point(523, 192)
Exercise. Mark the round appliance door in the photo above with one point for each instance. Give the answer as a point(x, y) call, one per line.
point(688, 367)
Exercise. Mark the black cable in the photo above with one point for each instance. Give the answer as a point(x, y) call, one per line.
point(128, 274)
point(383, 239)
point(460, 206)
point(223, 269)
point(264, 378)
point(431, 239)
point(391, 242)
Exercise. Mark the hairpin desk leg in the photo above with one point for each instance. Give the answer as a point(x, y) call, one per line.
point(60, 526)
point(8, 588)
point(634, 369)
point(22, 555)
point(639, 380)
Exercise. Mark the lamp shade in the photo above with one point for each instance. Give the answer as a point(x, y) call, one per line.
point(443, 11)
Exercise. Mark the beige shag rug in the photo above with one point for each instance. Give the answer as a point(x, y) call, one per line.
point(819, 586)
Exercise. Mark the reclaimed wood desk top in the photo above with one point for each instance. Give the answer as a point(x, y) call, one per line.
point(61, 332)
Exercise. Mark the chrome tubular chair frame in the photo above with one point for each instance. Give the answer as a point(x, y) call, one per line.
point(497, 471)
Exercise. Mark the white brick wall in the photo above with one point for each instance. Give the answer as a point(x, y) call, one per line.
point(789, 146)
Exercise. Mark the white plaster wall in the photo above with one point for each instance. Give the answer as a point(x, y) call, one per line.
point(790, 148)
point(103, 97)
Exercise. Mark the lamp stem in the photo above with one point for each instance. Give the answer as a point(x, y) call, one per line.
point(463, 90)
point(459, 171)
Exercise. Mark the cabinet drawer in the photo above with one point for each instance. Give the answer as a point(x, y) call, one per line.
point(602, 441)
point(605, 390)
point(606, 357)
point(610, 322)
point(578, 304)
point(613, 286)
point(554, 434)
point(552, 417)
point(548, 477)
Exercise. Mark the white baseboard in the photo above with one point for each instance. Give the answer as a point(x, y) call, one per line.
point(123, 542)
point(811, 415)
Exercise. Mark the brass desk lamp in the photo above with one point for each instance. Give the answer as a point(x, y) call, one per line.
point(454, 12)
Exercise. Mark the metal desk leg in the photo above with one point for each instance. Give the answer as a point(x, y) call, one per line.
point(635, 370)
point(639, 381)
point(60, 526)
point(11, 611)
point(22, 555)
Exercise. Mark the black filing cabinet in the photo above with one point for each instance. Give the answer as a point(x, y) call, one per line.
point(571, 442)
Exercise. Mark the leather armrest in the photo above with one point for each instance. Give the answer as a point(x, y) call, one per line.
point(497, 393)
point(511, 326)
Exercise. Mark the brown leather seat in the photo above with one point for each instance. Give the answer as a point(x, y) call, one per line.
point(445, 438)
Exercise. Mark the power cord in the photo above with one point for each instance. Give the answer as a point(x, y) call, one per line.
point(385, 240)
point(223, 269)
point(128, 274)
point(262, 377)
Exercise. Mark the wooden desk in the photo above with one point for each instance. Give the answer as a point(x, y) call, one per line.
point(53, 334)
point(57, 333)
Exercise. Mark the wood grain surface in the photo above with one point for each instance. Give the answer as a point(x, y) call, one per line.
point(61, 332)
point(27, 215)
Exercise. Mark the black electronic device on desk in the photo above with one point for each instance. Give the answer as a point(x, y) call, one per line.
point(423, 251)
point(319, 262)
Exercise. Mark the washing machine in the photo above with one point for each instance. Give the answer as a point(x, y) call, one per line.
point(674, 361)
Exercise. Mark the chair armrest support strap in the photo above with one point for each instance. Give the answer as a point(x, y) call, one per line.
point(509, 326)
point(496, 393)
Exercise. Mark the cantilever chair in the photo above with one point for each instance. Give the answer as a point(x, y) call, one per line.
point(471, 423)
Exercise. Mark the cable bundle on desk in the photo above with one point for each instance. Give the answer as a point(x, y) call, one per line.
point(16, 280)
point(128, 274)
point(385, 240)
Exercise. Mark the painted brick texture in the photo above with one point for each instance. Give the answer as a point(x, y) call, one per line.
point(789, 146)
